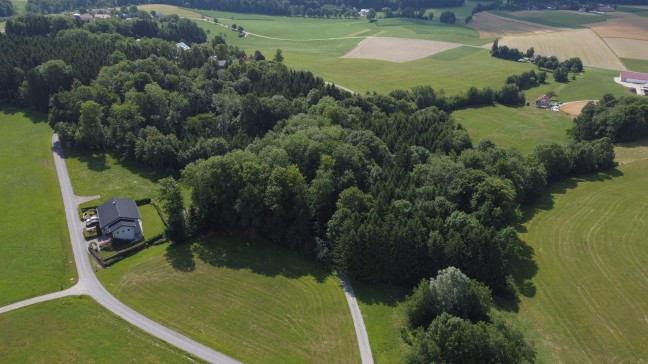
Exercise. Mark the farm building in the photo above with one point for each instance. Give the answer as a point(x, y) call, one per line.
point(544, 102)
point(634, 77)
point(183, 46)
point(120, 219)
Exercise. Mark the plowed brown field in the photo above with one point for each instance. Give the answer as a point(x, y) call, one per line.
point(489, 25)
point(398, 49)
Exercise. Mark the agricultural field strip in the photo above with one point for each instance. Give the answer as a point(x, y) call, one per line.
point(454, 45)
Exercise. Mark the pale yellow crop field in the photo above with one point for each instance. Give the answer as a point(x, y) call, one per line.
point(489, 25)
point(582, 43)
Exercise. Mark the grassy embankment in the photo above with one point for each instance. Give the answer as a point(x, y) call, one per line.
point(588, 299)
point(253, 301)
point(35, 253)
point(77, 329)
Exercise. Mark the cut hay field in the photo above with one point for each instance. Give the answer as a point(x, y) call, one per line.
point(35, 253)
point(491, 25)
point(631, 151)
point(519, 128)
point(629, 48)
point(629, 27)
point(398, 49)
point(583, 43)
point(255, 302)
point(588, 301)
point(78, 330)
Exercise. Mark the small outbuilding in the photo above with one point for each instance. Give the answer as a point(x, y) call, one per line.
point(183, 46)
point(544, 102)
point(120, 219)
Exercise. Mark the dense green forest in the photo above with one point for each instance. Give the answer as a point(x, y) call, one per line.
point(622, 120)
point(6, 8)
point(386, 188)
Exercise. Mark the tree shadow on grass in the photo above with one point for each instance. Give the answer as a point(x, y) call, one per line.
point(180, 257)
point(524, 267)
point(377, 293)
point(240, 253)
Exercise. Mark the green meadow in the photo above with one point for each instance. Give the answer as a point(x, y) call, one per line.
point(588, 299)
point(255, 302)
point(35, 253)
point(104, 175)
point(519, 128)
point(78, 330)
point(637, 65)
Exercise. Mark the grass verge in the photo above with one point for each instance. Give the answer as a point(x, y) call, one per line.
point(252, 301)
point(637, 65)
point(384, 316)
point(77, 329)
point(35, 253)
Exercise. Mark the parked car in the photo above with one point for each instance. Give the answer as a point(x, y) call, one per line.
point(92, 221)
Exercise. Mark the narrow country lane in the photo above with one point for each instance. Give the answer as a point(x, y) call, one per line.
point(358, 322)
point(89, 284)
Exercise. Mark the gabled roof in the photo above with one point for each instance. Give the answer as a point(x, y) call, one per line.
point(117, 209)
point(183, 46)
point(635, 75)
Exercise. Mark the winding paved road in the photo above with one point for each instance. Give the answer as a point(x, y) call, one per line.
point(88, 283)
point(358, 322)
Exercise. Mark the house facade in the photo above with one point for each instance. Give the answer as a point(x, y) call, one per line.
point(119, 218)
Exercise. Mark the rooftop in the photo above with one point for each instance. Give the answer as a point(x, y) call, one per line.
point(116, 209)
point(634, 75)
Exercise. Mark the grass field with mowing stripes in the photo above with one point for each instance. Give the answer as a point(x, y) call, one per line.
point(78, 330)
point(589, 299)
point(255, 302)
point(35, 253)
point(520, 128)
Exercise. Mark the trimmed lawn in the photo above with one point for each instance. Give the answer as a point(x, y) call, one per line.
point(151, 221)
point(78, 330)
point(520, 128)
point(35, 252)
point(637, 65)
point(589, 298)
point(102, 174)
point(384, 316)
point(589, 85)
point(253, 301)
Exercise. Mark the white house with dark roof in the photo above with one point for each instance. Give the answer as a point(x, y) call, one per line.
point(120, 219)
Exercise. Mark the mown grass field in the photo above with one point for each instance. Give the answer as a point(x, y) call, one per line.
point(519, 128)
point(460, 70)
point(637, 65)
point(588, 299)
point(102, 174)
point(78, 330)
point(35, 253)
point(384, 316)
point(252, 301)
point(553, 18)
point(589, 85)
point(19, 6)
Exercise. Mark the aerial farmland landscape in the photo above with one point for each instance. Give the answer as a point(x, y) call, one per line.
point(295, 181)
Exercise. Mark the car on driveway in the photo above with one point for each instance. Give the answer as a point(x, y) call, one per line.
point(92, 221)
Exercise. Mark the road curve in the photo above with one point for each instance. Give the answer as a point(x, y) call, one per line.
point(358, 322)
point(89, 284)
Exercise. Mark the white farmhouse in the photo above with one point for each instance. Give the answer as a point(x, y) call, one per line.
point(120, 219)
